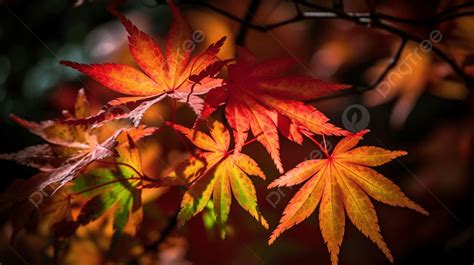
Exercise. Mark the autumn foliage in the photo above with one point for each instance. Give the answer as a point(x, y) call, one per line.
point(94, 155)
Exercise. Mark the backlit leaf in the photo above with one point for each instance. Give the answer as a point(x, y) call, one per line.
point(164, 72)
point(216, 172)
point(260, 99)
point(341, 184)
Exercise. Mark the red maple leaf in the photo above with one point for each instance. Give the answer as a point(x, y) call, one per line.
point(165, 73)
point(259, 99)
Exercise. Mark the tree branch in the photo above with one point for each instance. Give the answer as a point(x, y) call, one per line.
point(374, 19)
point(393, 62)
point(252, 9)
point(167, 230)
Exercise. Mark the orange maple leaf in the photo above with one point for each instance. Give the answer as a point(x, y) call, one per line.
point(260, 99)
point(341, 184)
point(164, 73)
point(216, 171)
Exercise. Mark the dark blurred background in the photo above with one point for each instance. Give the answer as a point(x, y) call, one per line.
point(428, 112)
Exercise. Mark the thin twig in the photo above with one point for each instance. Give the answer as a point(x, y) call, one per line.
point(323, 149)
point(101, 185)
point(335, 13)
point(373, 20)
point(252, 9)
point(396, 31)
point(141, 175)
point(359, 90)
point(167, 230)
point(441, 54)
point(392, 63)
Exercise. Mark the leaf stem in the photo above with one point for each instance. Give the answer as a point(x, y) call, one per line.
point(246, 143)
point(142, 176)
point(373, 19)
point(101, 185)
point(251, 12)
point(325, 151)
point(174, 110)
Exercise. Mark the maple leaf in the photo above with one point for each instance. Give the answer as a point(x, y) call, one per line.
point(69, 148)
point(341, 184)
point(258, 98)
point(164, 72)
point(216, 172)
point(68, 151)
point(37, 156)
point(115, 189)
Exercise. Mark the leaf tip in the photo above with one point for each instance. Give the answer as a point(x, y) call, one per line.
point(22, 122)
point(222, 233)
point(363, 132)
point(279, 167)
point(70, 64)
point(344, 86)
point(272, 185)
point(181, 220)
point(81, 92)
point(421, 210)
point(401, 153)
point(272, 239)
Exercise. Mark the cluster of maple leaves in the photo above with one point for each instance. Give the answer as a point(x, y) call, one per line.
point(257, 98)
